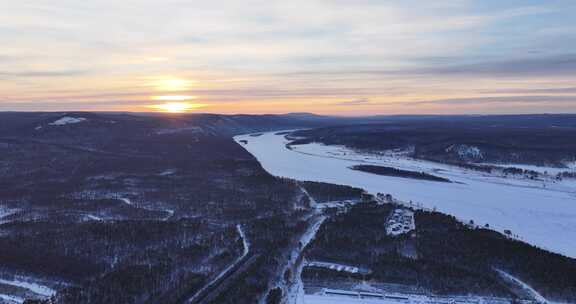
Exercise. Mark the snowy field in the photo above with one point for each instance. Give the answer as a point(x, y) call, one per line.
point(542, 213)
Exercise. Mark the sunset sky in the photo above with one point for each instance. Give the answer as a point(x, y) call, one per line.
point(344, 57)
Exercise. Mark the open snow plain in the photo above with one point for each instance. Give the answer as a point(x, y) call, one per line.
point(539, 212)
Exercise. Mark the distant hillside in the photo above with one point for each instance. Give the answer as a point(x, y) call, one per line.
point(524, 139)
point(47, 124)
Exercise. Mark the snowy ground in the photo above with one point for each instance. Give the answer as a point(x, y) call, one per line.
point(540, 212)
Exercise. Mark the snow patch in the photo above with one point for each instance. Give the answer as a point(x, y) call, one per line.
point(466, 151)
point(67, 121)
point(34, 287)
point(93, 217)
point(168, 172)
point(126, 201)
point(5, 212)
point(170, 213)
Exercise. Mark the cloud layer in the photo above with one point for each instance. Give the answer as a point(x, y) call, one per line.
point(328, 56)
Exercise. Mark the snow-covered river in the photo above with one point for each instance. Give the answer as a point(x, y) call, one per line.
point(545, 217)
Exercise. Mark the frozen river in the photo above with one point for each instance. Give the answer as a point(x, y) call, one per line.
point(545, 217)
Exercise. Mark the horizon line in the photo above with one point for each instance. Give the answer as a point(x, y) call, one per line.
point(285, 114)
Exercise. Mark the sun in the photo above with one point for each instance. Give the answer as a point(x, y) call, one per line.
point(176, 107)
point(172, 100)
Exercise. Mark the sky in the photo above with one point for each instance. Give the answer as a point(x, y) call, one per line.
point(339, 57)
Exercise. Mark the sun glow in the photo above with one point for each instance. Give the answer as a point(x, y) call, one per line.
point(170, 84)
point(176, 107)
point(173, 97)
